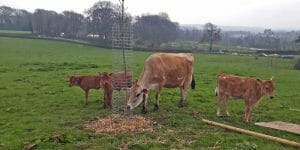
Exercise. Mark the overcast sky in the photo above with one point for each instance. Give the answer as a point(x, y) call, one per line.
point(275, 14)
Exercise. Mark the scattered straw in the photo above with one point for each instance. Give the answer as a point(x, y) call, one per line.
point(117, 124)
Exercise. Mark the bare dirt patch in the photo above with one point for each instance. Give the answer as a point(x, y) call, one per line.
point(118, 124)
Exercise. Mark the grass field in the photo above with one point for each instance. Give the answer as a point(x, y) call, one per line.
point(36, 101)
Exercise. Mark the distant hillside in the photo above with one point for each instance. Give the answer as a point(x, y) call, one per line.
point(225, 28)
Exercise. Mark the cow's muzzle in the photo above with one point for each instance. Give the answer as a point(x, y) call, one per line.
point(128, 107)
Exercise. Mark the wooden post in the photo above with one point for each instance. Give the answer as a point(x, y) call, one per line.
point(264, 136)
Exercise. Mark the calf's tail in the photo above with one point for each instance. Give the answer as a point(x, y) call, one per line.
point(193, 84)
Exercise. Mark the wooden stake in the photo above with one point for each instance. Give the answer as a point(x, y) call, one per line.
point(264, 136)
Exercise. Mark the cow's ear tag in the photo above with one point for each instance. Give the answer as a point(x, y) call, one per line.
point(145, 91)
point(272, 78)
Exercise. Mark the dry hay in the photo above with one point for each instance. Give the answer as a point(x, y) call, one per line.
point(117, 124)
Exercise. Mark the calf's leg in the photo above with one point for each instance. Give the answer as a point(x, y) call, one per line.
point(225, 106)
point(104, 99)
point(248, 112)
point(86, 96)
point(249, 119)
point(219, 102)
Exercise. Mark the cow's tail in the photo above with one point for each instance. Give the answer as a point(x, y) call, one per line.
point(193, 84)
point(217, 89)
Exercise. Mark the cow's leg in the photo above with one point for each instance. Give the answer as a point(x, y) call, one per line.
point(225, 106)
point(157, 97)
point(104, 99)
point(110, 92)
point(219, 102)
point(183, 94)
point(86, 96)
point(248, 112)
point(144, 109)
point(249, 118)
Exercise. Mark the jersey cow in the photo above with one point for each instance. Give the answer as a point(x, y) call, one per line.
point(163, 70)
point(249, 89)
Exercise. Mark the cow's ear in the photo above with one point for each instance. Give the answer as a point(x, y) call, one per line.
point(145, 91)
point(259, 80)
point(272, 78)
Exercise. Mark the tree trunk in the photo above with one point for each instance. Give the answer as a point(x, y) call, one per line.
point(211, 39)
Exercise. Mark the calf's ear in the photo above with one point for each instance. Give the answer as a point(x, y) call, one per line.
point(145, 91)
point(259, 80)
point(272, 78)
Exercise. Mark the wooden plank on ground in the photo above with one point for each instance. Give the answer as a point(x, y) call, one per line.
point(279, 125)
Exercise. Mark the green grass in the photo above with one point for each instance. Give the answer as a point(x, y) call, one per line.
point(15, 32)
point(36, 101)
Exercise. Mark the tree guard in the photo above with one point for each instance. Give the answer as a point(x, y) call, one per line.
point(122, 41)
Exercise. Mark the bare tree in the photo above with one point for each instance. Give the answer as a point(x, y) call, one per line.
point(72, 23)
point(101, 17)
point(298, 40)
point(152, 30)
point(14, 19)
point(211, 33)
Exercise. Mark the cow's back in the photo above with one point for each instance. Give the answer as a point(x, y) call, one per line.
point(172, 68)
point(235, 86)
point(90, 82)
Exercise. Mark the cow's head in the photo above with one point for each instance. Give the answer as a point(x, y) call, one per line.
point(136, 96)
point(269, 87)
point(74, 81)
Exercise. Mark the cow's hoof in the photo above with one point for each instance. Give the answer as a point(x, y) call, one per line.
point(180, 105)
point(155, 109)
point(227, 114)
point(247, 121)
point(144, 111)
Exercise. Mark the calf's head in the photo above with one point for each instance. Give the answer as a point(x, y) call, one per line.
point(74, 81)
point(136, 96)
point(268, 88)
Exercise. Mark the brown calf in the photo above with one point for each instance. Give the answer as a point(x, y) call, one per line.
point(85, 83)
point(106, 83)
point(249, 89)
point(114, 81)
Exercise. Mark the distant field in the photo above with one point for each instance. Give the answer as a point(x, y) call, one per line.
point(36, 101)
point(15, 32)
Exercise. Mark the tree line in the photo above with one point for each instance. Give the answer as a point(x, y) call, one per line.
point(150, 30)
